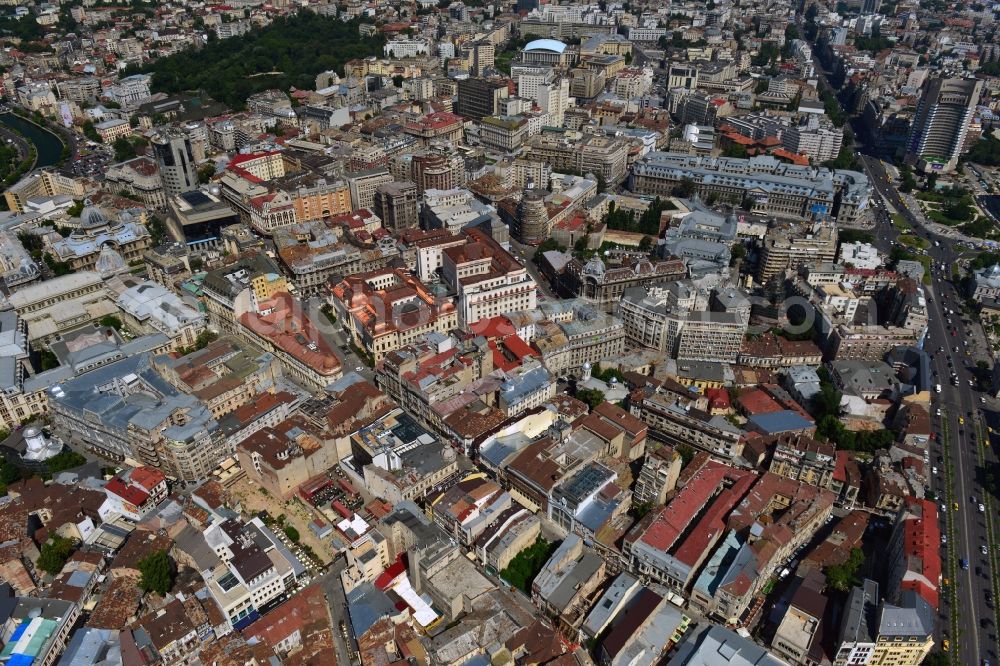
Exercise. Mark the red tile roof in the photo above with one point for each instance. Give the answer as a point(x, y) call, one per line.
point(131, 494)
point(664, 530)
point(757, 401)
point(921, 550)
point(147, 477)
point(288, 329)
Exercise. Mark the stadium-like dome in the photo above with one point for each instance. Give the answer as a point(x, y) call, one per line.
point(552, 45)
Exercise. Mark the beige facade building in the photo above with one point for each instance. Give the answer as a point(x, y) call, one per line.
point(605, 157)
point(282, 458)
point(769, 186)
point(42, 183)
point(793, 247)
point(658, 476)
point(388, 309)
point(62, 304)
point(487, 280)
point(803, 458)
point(139, 177)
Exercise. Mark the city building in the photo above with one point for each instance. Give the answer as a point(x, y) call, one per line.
point(112, 130)
point(486, 279)
point(809, 135)
point(604, 283)
point(139, 176)
point(941, 122)
point(398, 459)
point(503, 133)
point(238, 286)
point(364, 184)
point(175, 159)
point(284, 456)
point(662, 317)
point(279, 325)
point(134, 493)
point(62, 304)
point(126, 410)
point(792, 247)
point(480, 97)
point(84, 246)
point(395, 204)
point(905, 631)
point(42, 183)
point(148, 307)
point(914, 554)
point(766, 184)
point(715, 645)
point(605, 157)
point(859, 627)
point(130, 91)
point(658, 476)
point(197, 217)
point(250, 570)
point(469, 507)
point(676, 422)
point(388, 309)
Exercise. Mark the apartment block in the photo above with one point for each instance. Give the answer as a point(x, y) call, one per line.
point(386, 310)
point(605, 157)
point(486, 279)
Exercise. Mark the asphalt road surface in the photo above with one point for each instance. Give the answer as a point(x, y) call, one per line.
point(959, 450)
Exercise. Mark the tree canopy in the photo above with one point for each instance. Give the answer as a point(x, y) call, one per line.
point(842, 577)
point(986, 151)
point(54, 554)
point(525, 566)
point(157, 573)
point(63, 461)
point(289, 52)
point(592, 397)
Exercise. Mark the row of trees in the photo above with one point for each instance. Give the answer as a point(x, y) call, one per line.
point(648, 223)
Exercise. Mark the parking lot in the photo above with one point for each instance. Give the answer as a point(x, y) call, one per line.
point(91, 163)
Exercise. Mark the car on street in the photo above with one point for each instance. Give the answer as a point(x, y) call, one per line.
point(964, 563)
point(982, 509)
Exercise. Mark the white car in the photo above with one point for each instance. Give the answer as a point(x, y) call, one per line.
point(944, 538)
point(358, 369)
point(934, 470)
point(982, 509)
point(982, 549)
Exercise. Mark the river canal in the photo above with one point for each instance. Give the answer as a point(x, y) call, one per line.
point(47, 144)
